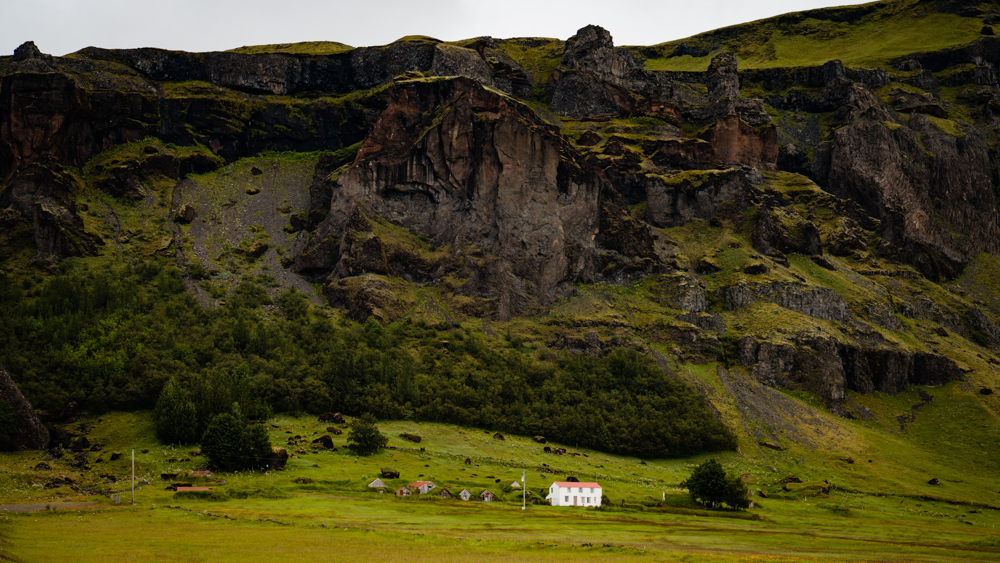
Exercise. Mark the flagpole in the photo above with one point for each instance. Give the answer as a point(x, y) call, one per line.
point(524, 491)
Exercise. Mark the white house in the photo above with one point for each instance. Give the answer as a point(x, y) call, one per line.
point(569, 493)
point(465, 495)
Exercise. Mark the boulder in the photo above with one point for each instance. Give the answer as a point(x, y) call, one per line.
point(279, 456)
point(115, 456)
point(411, 437)
point(393, 474)
point(80, 444)
point(498, 436)
point(934, 481)
point(336, 418)
point(539, 439)
point(42, 466)
point(334, 430)
point(325, 441)
point(185, 214)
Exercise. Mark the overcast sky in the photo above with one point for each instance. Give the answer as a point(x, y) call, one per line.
point(59, 27)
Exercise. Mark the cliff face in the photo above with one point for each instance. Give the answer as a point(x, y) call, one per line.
point(472, 170)
point(796, 221)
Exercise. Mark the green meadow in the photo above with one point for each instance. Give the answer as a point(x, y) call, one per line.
point(319, 508)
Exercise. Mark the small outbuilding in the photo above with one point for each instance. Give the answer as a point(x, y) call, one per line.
point(573, 493)
point(465, 495)
point(515, 485)
point(423, 486)
point(403, 492)
point(445, 493)
point(377, 484)
point(487, 496)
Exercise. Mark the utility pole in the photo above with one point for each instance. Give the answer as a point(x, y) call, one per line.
point(133, 475)
point(524, 491)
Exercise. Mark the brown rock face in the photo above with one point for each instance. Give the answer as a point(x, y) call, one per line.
point(29, 433)
point(465, 167)
point(45, 113)
point(734, 141)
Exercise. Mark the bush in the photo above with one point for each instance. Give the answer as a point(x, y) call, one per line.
point(709, 485)
point(364, 437)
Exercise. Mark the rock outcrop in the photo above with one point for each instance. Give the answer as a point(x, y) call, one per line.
point(40, 196)
point(479, 173)
point(828, 368)
point(29, 432)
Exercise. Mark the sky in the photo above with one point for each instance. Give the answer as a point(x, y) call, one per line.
point(59, 27)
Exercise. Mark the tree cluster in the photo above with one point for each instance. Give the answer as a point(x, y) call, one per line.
point(132, 338)
point(709, 485)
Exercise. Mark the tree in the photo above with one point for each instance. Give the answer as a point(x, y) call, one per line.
point(222, 442)
point(255, 447)
point(364, 437)
point(709, 485)
point(176, 415)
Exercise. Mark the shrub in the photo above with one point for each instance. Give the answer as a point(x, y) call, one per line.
point(364, 437)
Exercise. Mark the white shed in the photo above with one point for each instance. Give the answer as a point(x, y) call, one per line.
point(515, 485)
point(377, 484)
point(571, 493)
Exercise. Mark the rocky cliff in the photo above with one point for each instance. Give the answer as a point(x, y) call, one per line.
point(822, 227)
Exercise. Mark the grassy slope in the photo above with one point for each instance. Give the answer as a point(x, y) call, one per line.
point(873, 513)
point(303, 48)
point(894, 29)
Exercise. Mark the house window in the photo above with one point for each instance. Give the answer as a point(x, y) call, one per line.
point(567, 499)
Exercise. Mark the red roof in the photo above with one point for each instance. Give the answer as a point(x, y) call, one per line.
point(419, 484)
point(575, 484)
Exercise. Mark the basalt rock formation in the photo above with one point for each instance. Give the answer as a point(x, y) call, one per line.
point(467, 168)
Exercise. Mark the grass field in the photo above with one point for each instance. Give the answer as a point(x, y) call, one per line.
point(319, 508)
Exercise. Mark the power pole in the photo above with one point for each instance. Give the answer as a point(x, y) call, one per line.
point(133, 475)
point(524, 491)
